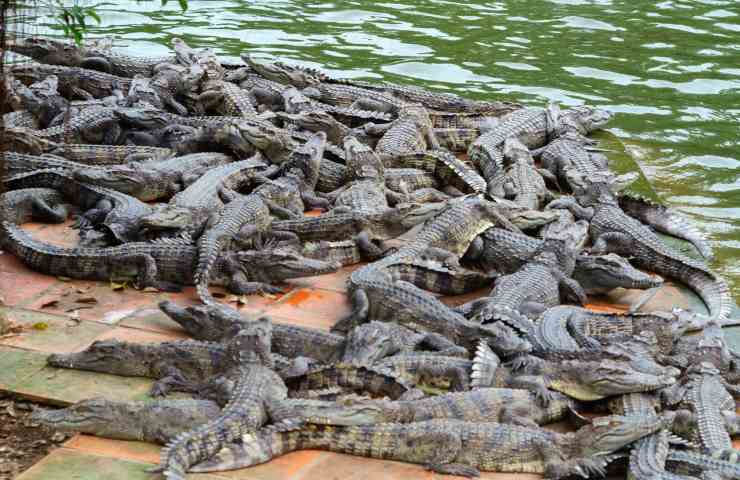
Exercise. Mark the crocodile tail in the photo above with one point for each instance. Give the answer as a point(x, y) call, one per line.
point(208, 251)
point(485, 364)
point(255, 448)
point(724, 462)
point(715, 293)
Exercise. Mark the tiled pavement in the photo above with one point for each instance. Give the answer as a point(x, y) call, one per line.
point(66, 316)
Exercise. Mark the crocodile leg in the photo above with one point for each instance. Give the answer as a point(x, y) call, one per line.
point(359, 314)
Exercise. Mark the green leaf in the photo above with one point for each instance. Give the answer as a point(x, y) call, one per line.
point(183, 5)
point(93, 14)
point(164, 2)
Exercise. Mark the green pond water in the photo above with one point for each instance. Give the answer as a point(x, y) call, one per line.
point(669, 69)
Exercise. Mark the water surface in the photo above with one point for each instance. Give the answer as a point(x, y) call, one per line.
point(668, 69)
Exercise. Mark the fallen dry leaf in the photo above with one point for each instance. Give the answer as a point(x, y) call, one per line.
point(117, 286)
point(40, 326)
point(87, 300)
point(150, 290)
point(64, 279)
point(50, 303)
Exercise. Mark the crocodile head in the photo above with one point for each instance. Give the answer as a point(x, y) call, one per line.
point(408, 215)
point(48, 51)
point(205, 322)
point(608, 434)
point(586, 381)
point(305, 160)
point(125, 179)
point(370, 342)
point(612, 271)
point(316, 121)
point(146, 118)
point(294, 100)
point(252, 344)
point(362, 161)
point(264, 137)
point(584, 119)
point(169, 217)
point(503, 339)
point(279, 264)
point(96, 415)
point(592, 189)
point(281, 73)
point(106, 356)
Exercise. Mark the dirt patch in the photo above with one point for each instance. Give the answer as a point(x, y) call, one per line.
point(22, 442)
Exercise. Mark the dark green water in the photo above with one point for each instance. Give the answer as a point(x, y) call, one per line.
point(669, 69)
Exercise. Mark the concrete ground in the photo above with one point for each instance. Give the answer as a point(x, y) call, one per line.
point(59, 315)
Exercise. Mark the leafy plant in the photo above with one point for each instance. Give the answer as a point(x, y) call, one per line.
point(75, 19)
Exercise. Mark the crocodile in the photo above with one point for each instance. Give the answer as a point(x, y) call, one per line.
point(500, 405)
point(109, 154)
point(521, 181)
point(330, 380)
point(373, 341)
point(567, 327)
point(665, 220)
point(22, 163)
point(450, 170)
point(585, 380)
point(74, 82)
point(648, 456)
point(318, 121)
point(457, 140)
point(446, 102)
point(294, 102)
point(704, 393)
point(189, 209)
point(453, 447)
point(27, 204)
point(377, 297)
point(91, 125)
point(538, 285)
point(433, 276)
point(533, 127)
point(405, 180)
point(250, 215)
point(154, 179)
point(42, 99)
point(611, 229)
point(255, 386)
point(570, 151)
point(229, 99)
point(506, 252)
point(56, 52)
point(219, 322)
point(118, 215)
point(156, 421)
point(412, 132)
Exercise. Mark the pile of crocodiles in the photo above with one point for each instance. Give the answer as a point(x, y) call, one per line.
point(188, 170)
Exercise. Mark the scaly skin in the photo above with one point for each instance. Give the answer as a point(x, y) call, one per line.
point(219, 322)
point(506, 252)
point(90, 125)
point(665, 220)
point(318, 121)
point(521, 181)
point(188, 209)
point(177, 365)
point(118, 215)
point(156, 179)
point(434, 276)
point(373, 341)
point(404, 180)
point(55, 52)
point(74, 82)
point(377, 297)
point(581, 379)
point(152, 421)
point(613, 230)
point(453, 447)
point(342, 377)
point(533, 127)
point(231, 99)
point(22, 206)
point(457, 140)
point(109, 154)
point(256, 386)
point(538, 285)
point(167, 264)
point(411, 133)
point(568, 152)
point(501, 405)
